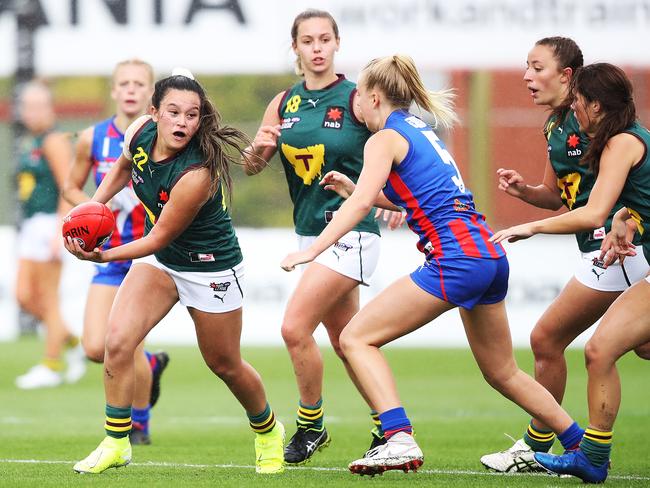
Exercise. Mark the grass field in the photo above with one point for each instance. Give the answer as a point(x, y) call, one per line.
point(201, 437)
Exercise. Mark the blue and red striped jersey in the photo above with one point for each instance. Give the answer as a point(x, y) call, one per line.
point(428, 185)
point(127, 209)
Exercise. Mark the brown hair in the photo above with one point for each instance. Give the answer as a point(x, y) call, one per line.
point(400, 81)
point(214, 139)
point(611, 88)
point(306, 15)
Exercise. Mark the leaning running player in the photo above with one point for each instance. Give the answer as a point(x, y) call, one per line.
point(178, 161)
point(315, 128)
point(551, 65)
point(406, 164)
point(97, 149)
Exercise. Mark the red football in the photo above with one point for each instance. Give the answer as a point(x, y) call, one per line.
point(90, 223)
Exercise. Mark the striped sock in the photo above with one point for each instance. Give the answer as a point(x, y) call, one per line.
point(118, 421)
point(596, 445)
point(539, 440)
point(570, 438)
point(394, 421)
point(310, 416)
point(262, 422)
point(140, 418)
point(377, 423)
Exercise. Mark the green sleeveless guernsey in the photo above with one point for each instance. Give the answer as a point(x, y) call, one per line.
point(566, 146)
point(636, 192)
point(37, 188)
point(320, 133)
point(209, 242)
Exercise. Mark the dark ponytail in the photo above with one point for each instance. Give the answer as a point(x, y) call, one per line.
point(611, 88)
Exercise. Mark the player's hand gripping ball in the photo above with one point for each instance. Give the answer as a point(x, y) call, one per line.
point(90, 224)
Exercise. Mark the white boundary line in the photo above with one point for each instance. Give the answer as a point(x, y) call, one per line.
point(314, 468)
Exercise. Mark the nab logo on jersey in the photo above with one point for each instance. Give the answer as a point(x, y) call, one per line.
point(163, 196)
point(572, 146)
point(333, 118)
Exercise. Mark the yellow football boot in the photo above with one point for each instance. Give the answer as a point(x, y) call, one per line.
point(111, 453)
point(269, 450)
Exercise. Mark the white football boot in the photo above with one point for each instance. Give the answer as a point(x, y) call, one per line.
point(400, 452)
point(40, 376)
point(519, 458)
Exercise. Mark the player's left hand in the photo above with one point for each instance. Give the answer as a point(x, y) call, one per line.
point(513, 234)
point(73, 247)
point(293, 259)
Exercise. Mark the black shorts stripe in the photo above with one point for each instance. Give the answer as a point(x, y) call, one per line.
point(237, 281)
point(360, 260)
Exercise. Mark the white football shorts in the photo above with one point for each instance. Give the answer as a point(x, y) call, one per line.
point(615, 277)
point(212, 292)
point(354, 255)
point(39, 238)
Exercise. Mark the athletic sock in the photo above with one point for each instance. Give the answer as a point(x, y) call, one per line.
point(596, 445)
point(140, 418)
point(72, 341)
point(262, 422)
point(394, 421)
point(377, 423)
point(118, 421)
point(570, 438)
point(310, 416)
point(55, 364)
point(539, 440)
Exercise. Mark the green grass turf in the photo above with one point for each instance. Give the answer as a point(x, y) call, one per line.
point(201, 437)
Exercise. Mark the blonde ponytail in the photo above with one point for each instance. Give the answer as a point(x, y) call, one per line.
point(400, 81)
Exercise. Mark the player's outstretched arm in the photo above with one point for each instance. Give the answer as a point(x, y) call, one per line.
point(378, 158)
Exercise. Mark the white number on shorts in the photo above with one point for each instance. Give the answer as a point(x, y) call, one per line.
point(446, 158)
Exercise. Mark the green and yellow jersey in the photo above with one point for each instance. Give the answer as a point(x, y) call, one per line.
point(636, 192)
point(37, 188)
point(320, 133)
point(209, 242)
point(566, 147)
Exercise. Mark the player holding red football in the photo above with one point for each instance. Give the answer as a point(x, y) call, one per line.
point(178, 161)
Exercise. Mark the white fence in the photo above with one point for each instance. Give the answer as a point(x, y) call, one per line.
point(539, 268)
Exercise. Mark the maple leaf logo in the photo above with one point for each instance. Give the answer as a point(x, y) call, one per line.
point(334, 113)
point(163, 196)
point(573, 140)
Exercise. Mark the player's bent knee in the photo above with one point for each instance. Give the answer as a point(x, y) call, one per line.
point(542, 344)
point(119, 348)
point(94, 352)
point(348, 341)
point(596, 357)
point(293, 336)
point(223, 368)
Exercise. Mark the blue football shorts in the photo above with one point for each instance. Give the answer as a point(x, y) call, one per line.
point(464, 281)
point(111, 273)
